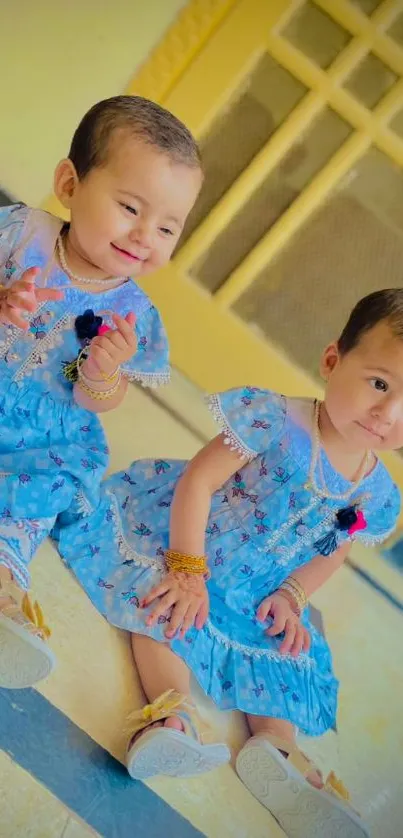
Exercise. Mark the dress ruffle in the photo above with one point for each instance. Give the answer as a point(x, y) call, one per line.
point(51, 452)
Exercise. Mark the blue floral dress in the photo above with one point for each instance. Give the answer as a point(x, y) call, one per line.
point(264, 523)
point(53, 452)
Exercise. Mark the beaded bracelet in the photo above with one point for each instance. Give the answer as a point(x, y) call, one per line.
point(183, 563)
point(100, 395)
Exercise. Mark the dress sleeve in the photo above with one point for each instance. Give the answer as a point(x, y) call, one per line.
point(249, 418)
point(150, 364)
point(381, 517)
point(12, 220)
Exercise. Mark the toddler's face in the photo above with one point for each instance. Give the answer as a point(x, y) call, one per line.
point(364, 394)
point(127, 215)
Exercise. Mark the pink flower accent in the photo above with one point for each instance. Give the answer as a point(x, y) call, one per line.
point(360, 523)
point(103, 329)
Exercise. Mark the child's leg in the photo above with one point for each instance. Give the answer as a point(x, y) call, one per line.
point(24, 656)
point(160, 670)
point(165, 737)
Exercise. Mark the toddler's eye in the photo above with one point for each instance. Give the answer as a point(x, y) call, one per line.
point(379, 384)
point(130, 209)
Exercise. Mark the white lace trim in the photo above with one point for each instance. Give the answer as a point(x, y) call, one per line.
point(51, 339)
point(124, 547)
point(231, 438)
point(148, 379)
point(14, 333)
point(84, 506)
point(18, 571)
point(370, 540)
point(253, 652)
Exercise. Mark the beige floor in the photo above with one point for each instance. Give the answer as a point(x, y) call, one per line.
point(97, 690)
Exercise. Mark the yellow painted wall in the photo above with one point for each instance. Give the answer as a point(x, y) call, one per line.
point(57, 59)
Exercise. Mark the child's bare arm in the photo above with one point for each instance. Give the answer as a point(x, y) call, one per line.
point(184, 593)
point(314, 574)
point(205, 474)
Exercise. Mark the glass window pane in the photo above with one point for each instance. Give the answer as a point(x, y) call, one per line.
point(353, 245)
point(269, 95)
point(366, 6)
point(306, 157)
point(396, 29)
point(397, 123)
point(316, 34)
point(370, 81)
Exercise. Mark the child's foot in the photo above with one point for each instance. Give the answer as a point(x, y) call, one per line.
point(281, 777)
point(164, 740)
point(25, 657)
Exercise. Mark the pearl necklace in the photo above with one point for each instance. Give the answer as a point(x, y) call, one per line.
point(82, 280)
point(317, 460)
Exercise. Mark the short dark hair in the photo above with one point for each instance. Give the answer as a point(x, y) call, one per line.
point(144, 119)
point(385, 305)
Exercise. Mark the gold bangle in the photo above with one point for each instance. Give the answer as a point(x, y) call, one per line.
point(82, 358)
point(293, 582)
point(291, 600)
point(183, 563)
point(92, 382)
point(292, 587)
point(296, 596)
point(100, 395)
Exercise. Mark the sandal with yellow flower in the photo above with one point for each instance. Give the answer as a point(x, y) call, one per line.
point(275, 773)
point(25, 657)
point(157, 750)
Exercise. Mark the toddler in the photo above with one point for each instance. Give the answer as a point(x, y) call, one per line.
point(75, 329)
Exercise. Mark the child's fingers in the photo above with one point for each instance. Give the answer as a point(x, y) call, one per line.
point(11, 315)
point(165, 603)
point(29, 276)
point(202, 615)
point(22, 300)
point(125, 325)
point(101, 356)
point(44, 295)
point(278, 626)
point(112, 339)
point(298, 643)
point(156, 592)
point(288, 642)
point(178, 615)
point(189, 619)
point(264, 609)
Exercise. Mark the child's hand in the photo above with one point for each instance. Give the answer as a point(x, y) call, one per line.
point(24, 296)
point(296, 637)
point(108, 351)
point(186, 594)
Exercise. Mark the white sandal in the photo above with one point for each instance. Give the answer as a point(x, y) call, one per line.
point(169, 752)
point(280, 784)
point(25, 657)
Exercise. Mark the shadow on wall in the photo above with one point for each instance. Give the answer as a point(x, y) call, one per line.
point(5, 199)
